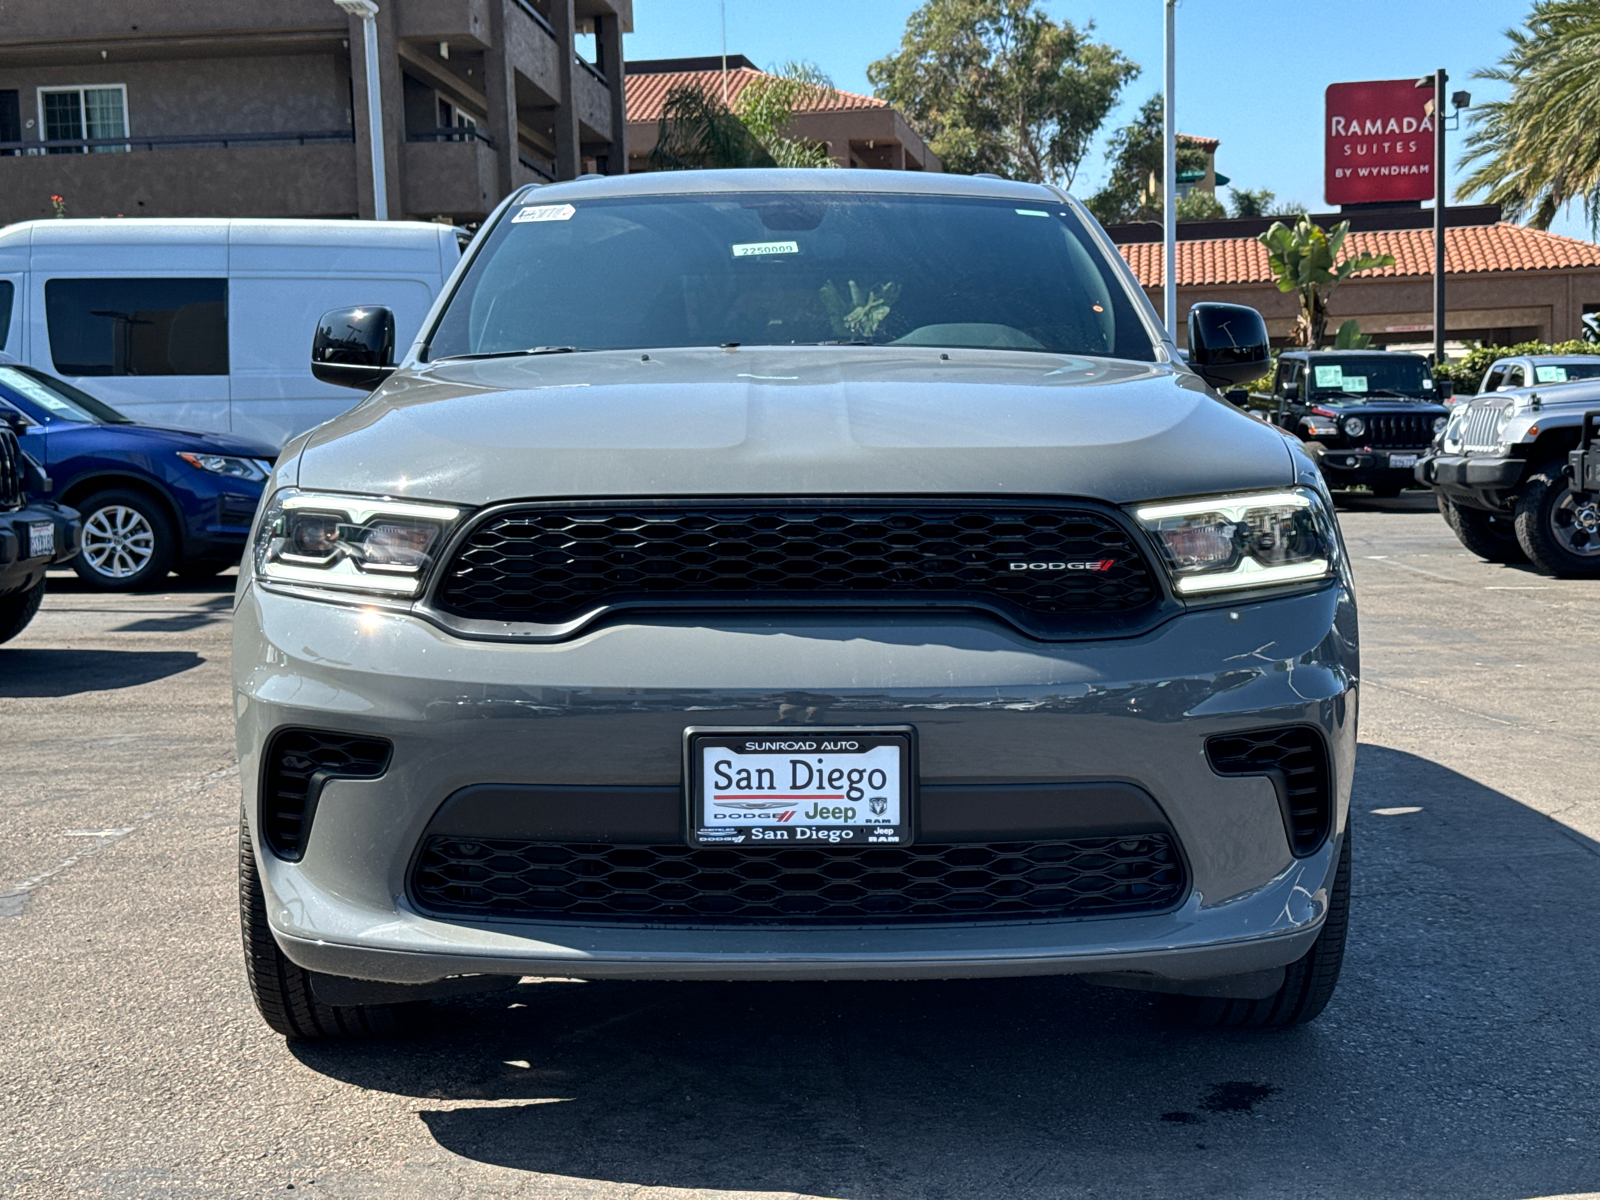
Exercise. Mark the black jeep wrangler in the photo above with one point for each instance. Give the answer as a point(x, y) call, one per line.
point(1365, 416)
point(32, 536)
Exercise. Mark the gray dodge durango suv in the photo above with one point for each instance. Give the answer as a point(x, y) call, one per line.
point(793, 575)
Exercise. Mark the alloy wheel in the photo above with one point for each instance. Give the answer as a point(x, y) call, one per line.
point(1575, 521)
point(118, 541)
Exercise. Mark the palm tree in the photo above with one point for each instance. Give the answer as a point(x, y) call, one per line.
point(1538, 150)
point(699, 131)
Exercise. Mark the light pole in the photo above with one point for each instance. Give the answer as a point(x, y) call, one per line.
point(1169, 176)
point(367, 10)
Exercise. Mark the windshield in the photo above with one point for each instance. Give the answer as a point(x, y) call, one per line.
point(1565, 372)
point(791, 270)
point(1378, 377)
point(60, 400)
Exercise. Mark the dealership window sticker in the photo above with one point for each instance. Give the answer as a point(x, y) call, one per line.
point(1330, 377)
point(544, 212)
point(1549, 374)
point(760, 249)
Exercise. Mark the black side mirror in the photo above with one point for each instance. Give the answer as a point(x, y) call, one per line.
point(14, 419)
point(1444, 389)
point(1228, 344)
point(34, 480)
point(1291, 390)
point(354, 347)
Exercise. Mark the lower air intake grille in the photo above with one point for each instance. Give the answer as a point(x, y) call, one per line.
point(1295, 758)
point(553, 565)
point(783, 885)
point(297, 763)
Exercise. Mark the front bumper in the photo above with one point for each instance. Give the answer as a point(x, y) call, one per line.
point(609, 708)
point(1344, 467)
point(19, 569)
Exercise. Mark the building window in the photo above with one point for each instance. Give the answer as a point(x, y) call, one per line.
point(78, 113)
point(451, 117)
point(138, 326)
point(10, 119)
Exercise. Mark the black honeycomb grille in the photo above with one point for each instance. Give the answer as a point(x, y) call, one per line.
point(1407, 430)
point(553, 565)
point(791, 885)
point(296, 765)
point(1295, 758)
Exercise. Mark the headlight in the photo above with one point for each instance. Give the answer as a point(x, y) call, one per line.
point(349, 543)
point(1354, 426)
point(1249, 541)
point(1439, 423)
point(224, 464)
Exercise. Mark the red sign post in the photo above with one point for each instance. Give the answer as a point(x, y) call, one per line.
point(1379, 142)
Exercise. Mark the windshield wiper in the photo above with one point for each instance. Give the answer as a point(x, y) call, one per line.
point(840, 342)
point(513, 353)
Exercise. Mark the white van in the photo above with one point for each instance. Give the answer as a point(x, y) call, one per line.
point(207, 323)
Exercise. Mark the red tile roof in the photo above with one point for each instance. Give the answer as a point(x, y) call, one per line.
point(1468, 249)
point(1209, 145)
point(647, 94)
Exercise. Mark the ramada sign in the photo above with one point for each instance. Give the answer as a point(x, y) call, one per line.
point(1379, 142)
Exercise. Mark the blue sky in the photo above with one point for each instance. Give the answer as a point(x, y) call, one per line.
point(1251, 73)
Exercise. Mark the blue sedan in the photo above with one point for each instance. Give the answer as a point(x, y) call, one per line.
point(153, 500)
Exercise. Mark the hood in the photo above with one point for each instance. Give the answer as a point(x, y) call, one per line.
point(1385, 405)
point(147, 437)
point(800, 421)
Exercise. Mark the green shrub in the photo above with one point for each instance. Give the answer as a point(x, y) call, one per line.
point(1467, 373)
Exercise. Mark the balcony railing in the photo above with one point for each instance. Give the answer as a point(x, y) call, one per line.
point(451, 133)
point(166, 141)
point(544, 172)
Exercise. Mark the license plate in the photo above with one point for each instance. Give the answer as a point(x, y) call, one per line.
point(41, 539)
point(780, 787)
point(1402, 460)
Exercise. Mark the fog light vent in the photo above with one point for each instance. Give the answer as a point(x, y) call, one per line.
point(1295, 758)
point(297, 764)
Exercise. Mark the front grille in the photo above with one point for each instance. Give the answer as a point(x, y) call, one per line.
point(296, 765)
point(10, 471)
point(1481, 429)
point(551, 565)
point(1295, 758)
point(1408, 430)
point(791, 885)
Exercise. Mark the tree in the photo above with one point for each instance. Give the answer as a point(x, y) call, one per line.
point(1305, 261)
point(1200, 206)
point(1247, 203)
point(996, 85)
point(698, 131)
point(1134, 190)
point(1537, 150)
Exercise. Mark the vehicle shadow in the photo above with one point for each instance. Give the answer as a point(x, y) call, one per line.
point(52, 673)
point(1413, 500)
point(1459, 1056)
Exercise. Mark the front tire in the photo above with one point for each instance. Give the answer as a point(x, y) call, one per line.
point(1490, 536)
point(1308, 982)
point(1559, 534)
point(17, 609)
point(128, 541)
point(282, 991)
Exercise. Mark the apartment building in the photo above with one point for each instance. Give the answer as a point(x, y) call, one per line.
point(249, 108)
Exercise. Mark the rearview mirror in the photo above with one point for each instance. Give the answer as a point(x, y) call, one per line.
point(354, 347)
point(1228, 344)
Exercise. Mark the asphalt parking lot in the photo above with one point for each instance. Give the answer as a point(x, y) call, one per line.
point(1460, 1057)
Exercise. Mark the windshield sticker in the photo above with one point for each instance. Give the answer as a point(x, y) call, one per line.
point(757, 249)
point(544, 212)
point(1329, 377)
point(1427, 383)
point(1354, 383)
point(1031, 212)
point(1549, 374)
